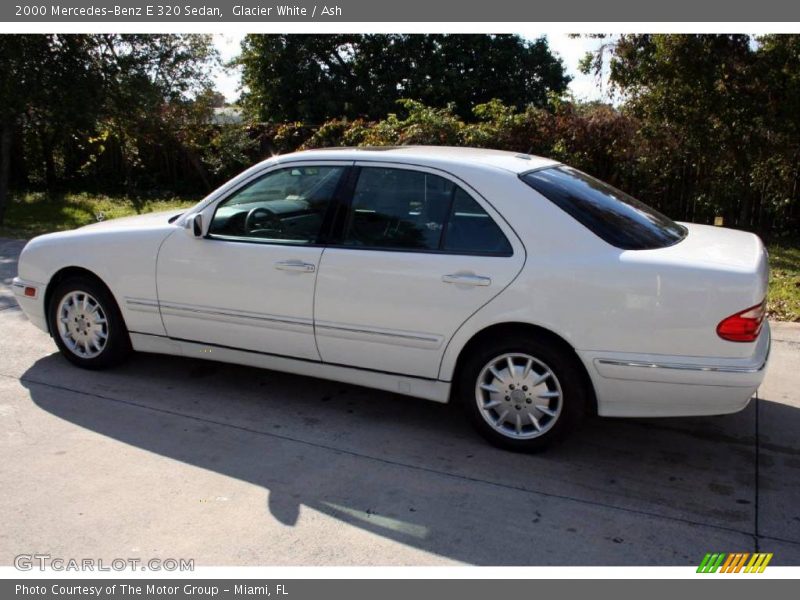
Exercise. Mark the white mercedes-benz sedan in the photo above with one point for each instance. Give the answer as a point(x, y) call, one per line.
point(521, 288)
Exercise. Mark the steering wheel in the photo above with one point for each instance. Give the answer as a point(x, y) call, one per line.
point(260, 219)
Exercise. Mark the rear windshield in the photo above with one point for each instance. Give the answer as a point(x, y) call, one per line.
point(609, 213)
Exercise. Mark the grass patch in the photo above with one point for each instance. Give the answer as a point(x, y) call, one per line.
point(34, 213)
point(784, 281)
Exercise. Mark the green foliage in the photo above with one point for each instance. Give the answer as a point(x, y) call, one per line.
point(614, 144)
point(722, 116)
point(331, 133)
point(425, 125)
point(227, 150)
point(45, 93)
point(290, 136)
point(100, 107)
point(313, 78)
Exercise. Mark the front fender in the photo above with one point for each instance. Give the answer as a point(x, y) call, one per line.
point(124, 260)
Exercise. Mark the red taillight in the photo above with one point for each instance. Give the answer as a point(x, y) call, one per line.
point(743, 326)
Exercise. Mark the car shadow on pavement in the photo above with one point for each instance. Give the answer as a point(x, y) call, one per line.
point(641, 491)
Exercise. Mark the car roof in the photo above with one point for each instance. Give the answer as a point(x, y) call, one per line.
point(515, 162)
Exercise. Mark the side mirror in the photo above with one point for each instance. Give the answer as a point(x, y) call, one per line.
point(197, 225)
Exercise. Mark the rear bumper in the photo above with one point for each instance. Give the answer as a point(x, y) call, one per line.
point(669, 386)
point(32, 306)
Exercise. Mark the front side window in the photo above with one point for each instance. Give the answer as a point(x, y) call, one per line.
point(287, 205)
point(402, 209)
point(609, 213)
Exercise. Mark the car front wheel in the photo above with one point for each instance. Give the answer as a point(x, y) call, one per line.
point(522, 395)
point(87, 325)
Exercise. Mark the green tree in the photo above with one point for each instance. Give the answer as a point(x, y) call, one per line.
point(151, 84)
point(16, 82)
point(720, 115)
point(315, 77)
point(101, 105)
point(45, 86)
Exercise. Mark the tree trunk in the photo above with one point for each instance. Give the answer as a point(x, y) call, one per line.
point(49, 161)
point(6, 132)
point(18, 176)
point(197, 165)
point(745, 211)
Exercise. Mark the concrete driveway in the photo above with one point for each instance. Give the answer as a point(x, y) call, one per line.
point(179, 458)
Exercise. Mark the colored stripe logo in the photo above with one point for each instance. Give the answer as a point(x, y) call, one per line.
point(736, 562)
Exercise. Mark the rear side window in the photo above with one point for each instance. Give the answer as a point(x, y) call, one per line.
point(403, 209)
point(609, 213)
point(471, 230)
point(398, 209)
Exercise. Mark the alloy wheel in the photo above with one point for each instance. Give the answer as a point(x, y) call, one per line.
point(82, 324)
point(519, 396)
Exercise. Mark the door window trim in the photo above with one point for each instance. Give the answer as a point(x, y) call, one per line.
point(326, 230)
point(346, 201)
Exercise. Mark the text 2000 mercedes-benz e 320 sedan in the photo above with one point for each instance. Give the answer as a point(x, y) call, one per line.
point(521, 288)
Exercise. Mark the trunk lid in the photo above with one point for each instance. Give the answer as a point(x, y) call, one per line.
point(718, 246)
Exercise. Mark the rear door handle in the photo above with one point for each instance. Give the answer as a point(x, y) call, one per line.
point(295, 265)
point(466, 279)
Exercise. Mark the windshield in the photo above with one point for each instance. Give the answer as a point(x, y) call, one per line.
point(611, 214)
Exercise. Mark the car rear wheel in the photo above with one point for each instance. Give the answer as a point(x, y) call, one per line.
point(87, 325)
point(523, 394)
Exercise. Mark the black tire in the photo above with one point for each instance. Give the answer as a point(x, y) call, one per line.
point(117, 343)
point(569, 376)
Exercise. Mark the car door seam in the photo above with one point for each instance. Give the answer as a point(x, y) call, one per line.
point(482, 306)
point(340, 197)
point(314, 302)
point(158, 296)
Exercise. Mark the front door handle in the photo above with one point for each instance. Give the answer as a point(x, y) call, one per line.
point(466, 279)
point(295, 265)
